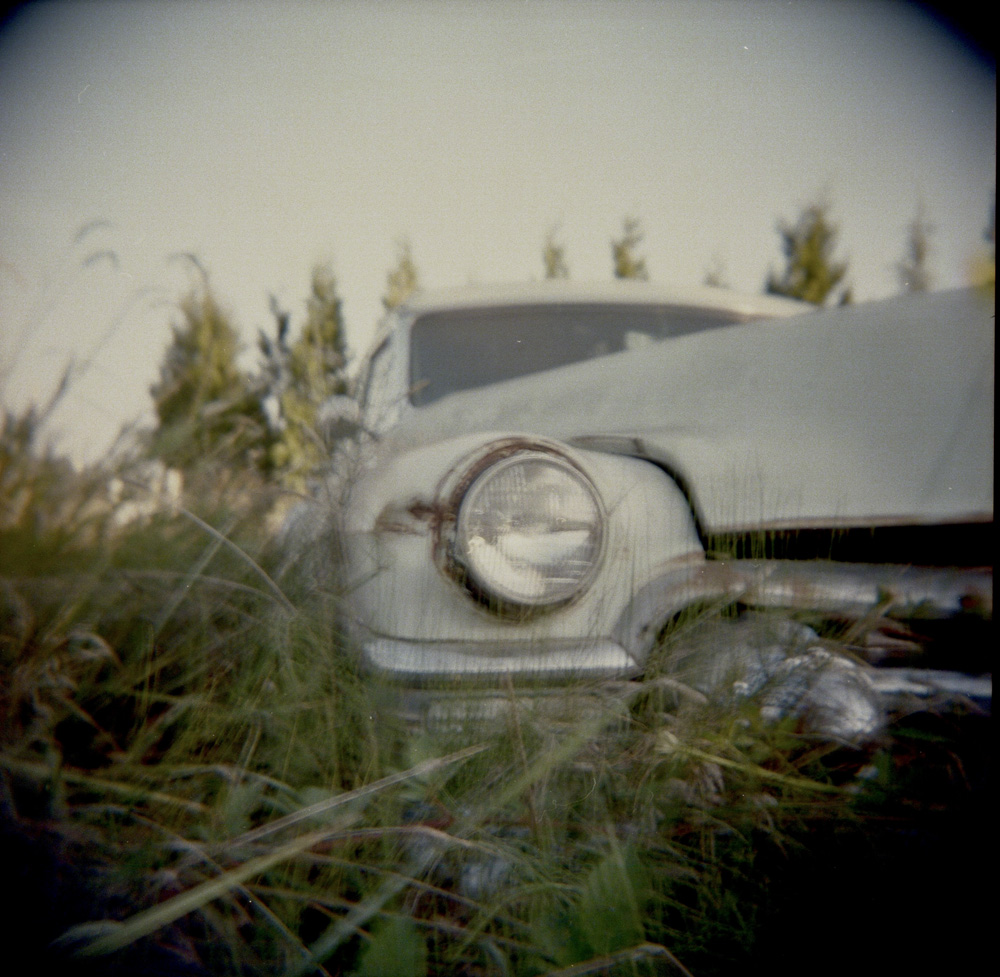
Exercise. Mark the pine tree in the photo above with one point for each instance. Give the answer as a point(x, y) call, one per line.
point(554, 257)
point(627, 263)
point(319, 355)
point(810, 274)
point(913, 273)
point(304, 375)
point(204, 404)
point(402, 281)
point(715, 277)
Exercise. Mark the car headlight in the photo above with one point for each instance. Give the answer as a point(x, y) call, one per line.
point(530, 531)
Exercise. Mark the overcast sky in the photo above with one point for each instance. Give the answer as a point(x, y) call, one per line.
point(264, 137)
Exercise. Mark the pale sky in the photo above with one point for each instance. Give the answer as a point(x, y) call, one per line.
point(266, 136)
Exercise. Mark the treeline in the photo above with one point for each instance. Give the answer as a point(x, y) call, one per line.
point(215, 418)
point(209, 410)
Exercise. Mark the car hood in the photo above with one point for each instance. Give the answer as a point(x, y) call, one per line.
point(861, 415)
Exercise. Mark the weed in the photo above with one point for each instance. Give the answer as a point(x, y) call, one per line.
point(195, 779)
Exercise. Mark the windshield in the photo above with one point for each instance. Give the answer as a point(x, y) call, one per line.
point(465, 348)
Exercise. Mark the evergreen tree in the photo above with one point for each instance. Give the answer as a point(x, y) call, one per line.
point(402, 281)
point(319, 355)
point(715, 277)
point(810, 274)
point(913, 273)
point(554, 257)
point(627, 263)
point(204, 404)
point(303, 376)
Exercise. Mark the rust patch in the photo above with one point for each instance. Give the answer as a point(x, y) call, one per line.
point(495, 451)
point(416, 517)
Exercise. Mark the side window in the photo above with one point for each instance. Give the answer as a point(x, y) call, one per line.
point(381, 402)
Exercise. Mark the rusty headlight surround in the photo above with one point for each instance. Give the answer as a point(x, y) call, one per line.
point(523, 527)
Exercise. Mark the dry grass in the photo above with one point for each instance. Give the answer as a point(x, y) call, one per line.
point(195, 780)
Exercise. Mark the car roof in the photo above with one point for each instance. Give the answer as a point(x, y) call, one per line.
point(614, 292)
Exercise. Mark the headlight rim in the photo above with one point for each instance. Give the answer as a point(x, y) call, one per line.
point(465, 477)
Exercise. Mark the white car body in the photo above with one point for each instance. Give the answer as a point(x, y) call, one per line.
point(872, 419)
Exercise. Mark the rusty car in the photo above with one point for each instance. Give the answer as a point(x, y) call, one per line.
point(555, 474)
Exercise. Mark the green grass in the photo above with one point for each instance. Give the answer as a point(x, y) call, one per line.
point(194, 779)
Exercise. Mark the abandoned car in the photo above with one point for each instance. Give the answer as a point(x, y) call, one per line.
point(555, 475)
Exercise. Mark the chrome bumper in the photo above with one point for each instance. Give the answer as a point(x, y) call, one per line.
point(420, 663)
point(479, 677)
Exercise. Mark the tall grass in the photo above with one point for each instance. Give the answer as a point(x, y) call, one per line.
point(195, 779)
